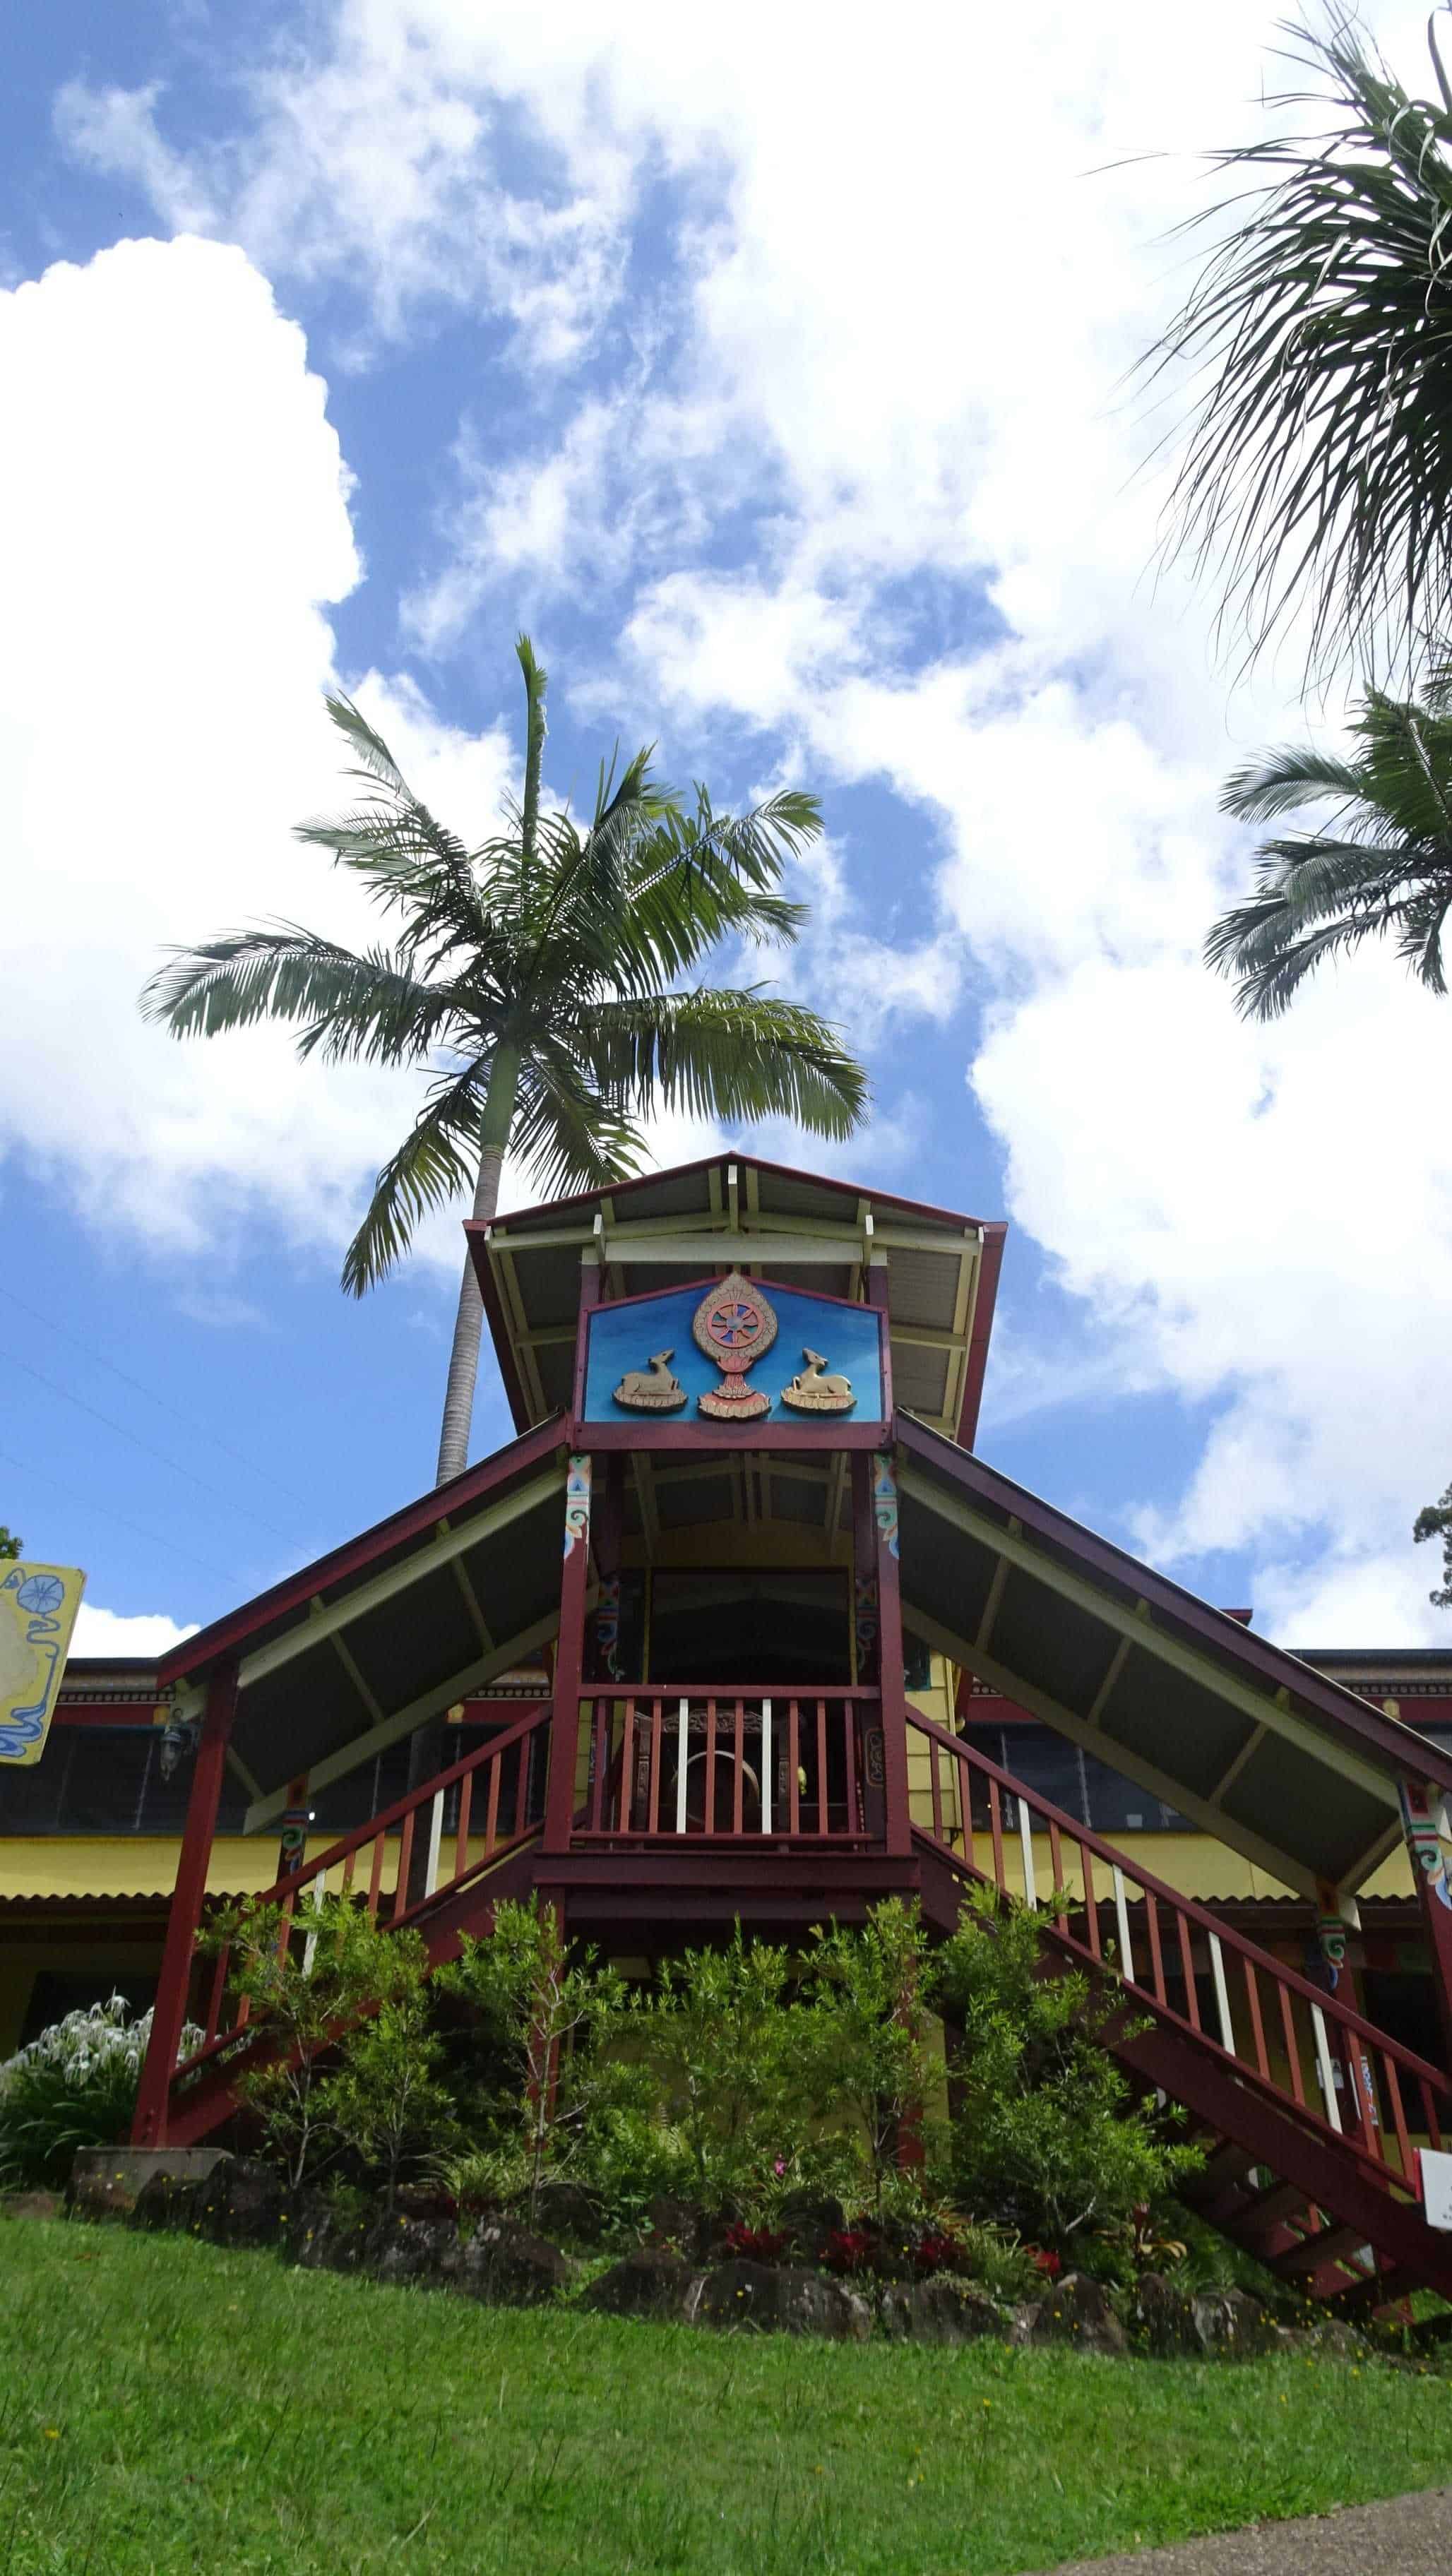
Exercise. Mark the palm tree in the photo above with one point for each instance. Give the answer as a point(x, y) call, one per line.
point(1381, 867)
point(536, 976)
point(1317, 468)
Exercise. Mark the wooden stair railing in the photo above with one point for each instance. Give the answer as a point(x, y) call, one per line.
point(500, 1802)
point(1219, 2008)
point(746, 1765)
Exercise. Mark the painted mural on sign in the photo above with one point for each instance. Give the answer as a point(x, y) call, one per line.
point(38, 1605)
point(734, 1349)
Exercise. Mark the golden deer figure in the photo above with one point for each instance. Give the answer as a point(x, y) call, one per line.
point(652, 1390)
point(812, 1392)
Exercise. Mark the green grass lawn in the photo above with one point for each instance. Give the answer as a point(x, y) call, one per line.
point(167, 2406)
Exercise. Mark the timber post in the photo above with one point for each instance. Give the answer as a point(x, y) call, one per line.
point(169, 2012)
point(1421, 1806)
point(569, 1657)
point(893, 1694)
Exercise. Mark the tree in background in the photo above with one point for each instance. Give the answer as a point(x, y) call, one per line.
point(536, 976)
point(1435, 1521)
point(1317, 476)
point(1317, 466)
point(10, 1546)
point(1380, 867)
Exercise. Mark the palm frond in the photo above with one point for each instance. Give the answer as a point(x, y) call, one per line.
point(569, 1136)
point(727, 1055)
point(371, 1005)
point(435, 1165)
point(1258, 943)
point(374, 758)
point(1318, 462)
point(1285, 779)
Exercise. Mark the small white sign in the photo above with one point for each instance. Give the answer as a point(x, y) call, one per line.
point(1437, 2188)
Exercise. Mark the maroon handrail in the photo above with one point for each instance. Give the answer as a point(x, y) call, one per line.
point(1342, 2023)
point(373, 1836)
point(1187, 1905)
point(388, 1817)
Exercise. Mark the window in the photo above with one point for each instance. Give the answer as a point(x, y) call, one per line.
point(1084, 1787)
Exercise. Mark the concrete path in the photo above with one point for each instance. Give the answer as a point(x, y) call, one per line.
point(1407, 2536)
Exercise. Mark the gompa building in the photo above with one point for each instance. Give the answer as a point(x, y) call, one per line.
point(742, 1625)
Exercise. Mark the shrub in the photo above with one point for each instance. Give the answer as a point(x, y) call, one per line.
point(727, 2050)
point(74, 2086)
point(1046, 2130)
point(308, 1981)
point(555, 2018)
point(849, 2249)
point(386, 2101)
point(864, 2054)
point(757, 2244)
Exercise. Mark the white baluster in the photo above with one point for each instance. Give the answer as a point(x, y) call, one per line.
point(1026, 1841)
point(1222, 1994)
point(1324, 2067)
point(310, 1945)
point(766, 1766)
point(1121, 1917)
point(683, 1746)
point(436, 1835)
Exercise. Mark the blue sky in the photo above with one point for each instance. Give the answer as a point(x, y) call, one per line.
point(765, 383)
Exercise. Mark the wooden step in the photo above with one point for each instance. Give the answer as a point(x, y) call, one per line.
point(1330, 2245)
point(1268, 2211)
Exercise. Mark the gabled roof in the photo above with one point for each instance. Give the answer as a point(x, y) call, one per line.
point(1244, 1739)
point(736, 1210)
point(359, 1648)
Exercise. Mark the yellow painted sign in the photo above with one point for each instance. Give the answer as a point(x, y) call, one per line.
point(38, 1605)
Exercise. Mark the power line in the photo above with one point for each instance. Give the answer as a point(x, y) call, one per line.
point(173, 1465)
point(90, 1504)
point(199, 1429)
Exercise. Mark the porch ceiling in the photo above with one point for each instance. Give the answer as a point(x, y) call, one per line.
point(363, 1646)
point(1241, 1737)
point(733, 1210)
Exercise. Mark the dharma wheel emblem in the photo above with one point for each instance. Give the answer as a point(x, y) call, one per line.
point(734, 1325)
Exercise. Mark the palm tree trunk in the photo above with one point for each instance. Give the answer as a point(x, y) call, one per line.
point(469, 1317)
point(426, 1745)
point(498, 1114)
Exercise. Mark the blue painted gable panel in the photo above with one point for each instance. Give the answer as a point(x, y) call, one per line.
point(627, 1337)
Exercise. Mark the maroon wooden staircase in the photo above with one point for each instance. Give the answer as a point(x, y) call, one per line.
point(494, 1797)
point(1310, 2116)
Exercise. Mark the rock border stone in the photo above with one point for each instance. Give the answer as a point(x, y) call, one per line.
point(683, 2272)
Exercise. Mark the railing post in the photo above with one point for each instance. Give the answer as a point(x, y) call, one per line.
point(169, 2012)
point(1421, 1806)
point(898, 1820)
point(569, 1659)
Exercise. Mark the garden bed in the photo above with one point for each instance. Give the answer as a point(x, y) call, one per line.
point(812, 2276)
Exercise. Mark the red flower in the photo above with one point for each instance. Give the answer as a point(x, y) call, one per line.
point(1044, 2261)
point(847, 2249)
point(759, 2244)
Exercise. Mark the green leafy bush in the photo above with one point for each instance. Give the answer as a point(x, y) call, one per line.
point(554, 2017)
point(74, 2086)
point(314, 1991)
point(385, 2100)
point(1047, 2133)
point(725, 2047)
point(865, 2057)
